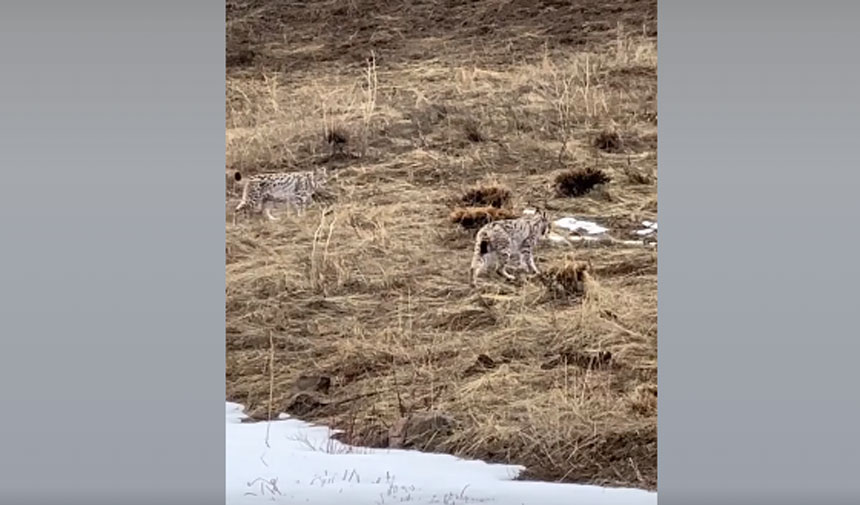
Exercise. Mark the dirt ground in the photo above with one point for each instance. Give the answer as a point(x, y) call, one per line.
point(362, 318)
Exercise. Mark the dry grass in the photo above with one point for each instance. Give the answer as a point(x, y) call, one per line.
point(372, 299)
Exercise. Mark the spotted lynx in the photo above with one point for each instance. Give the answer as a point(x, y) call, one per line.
point(263, 192)
point(499, 242)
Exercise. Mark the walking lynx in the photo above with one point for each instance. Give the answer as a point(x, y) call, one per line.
point(499, 243)
point(264, 191)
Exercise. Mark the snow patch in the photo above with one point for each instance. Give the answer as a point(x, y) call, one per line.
point(301, 463)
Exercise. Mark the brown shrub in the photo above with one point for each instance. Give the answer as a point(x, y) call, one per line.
point(570, 278)
point(476, 217)
point(578, 182)
point(337, 138)
point(486, 196)
point(608, 141)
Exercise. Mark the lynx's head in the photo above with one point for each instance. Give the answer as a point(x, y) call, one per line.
point(539, 221)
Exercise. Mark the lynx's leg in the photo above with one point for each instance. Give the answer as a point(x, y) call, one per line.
point(293, 207)
point(481, 263)
point(532, 264)
point(243, 206)
point(504, 262)
point(478, 265)
point(303, 202)
point(506, 274)
point(240, 209)
point(293, 203)
point(257, 208)
point(529, 259)
point(523, 260)
point(267, 210)
point(290, 206)
point(475, 270)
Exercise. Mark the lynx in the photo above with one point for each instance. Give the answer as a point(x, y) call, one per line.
point(264, 191)
point(497, 244)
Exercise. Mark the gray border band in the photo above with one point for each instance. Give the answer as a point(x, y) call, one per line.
point(110, 290)
point(758, 175)
point(112, 273)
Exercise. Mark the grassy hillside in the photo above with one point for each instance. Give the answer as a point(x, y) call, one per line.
point(362, 318)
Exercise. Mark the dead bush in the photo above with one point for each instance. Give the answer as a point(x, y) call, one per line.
point(569, 279)
point(486, 196)
point(578, 182)
point(608, 141)
point(476, 217)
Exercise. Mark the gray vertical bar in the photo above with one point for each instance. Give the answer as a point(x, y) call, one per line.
point(758, 272)
point(111, 256)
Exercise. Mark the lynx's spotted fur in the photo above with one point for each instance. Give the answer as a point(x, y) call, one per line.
point(263, 192)
point(498, 243)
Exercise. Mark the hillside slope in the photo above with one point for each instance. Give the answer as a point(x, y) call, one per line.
point(365, 312)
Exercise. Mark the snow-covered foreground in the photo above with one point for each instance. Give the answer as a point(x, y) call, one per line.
point(302, 464)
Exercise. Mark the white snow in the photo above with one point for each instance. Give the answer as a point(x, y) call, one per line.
point(303, 465)
point(649, 228)
point(576, 225)
point(555, 237)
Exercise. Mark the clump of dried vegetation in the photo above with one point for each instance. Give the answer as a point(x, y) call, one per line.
point(483, 196)
point(580, 181)
point(609, 141)
point(568, 279)
point(362, 317)
point(472, 218)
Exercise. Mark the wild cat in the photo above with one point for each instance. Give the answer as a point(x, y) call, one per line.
point(497, 243)
point(263, 192)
